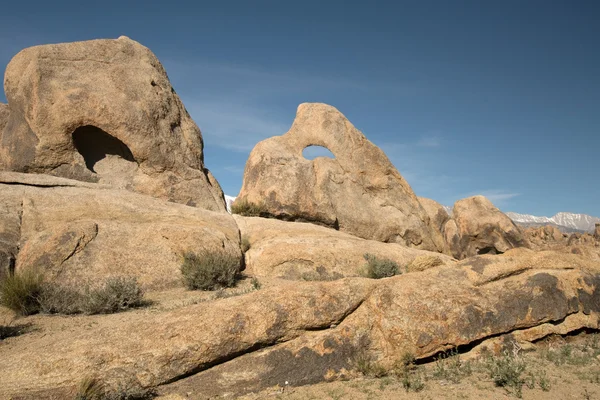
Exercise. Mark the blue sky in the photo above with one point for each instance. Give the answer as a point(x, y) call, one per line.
point(500, 98)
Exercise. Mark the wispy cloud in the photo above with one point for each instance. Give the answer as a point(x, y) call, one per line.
point(429, 141)
point(238, 106)
point(234, 169)
point(235, 127)
point(499, 197)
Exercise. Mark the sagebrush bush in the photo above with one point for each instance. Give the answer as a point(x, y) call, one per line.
point(209, 270)
point(56, 298)
point(27, 293)
point(378, 268)
point(247, 209)
point(506, 372)
point(450, 367)
point(20, 292)
point(115, 294)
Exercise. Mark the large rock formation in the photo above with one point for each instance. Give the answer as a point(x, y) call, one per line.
point(597, 232)
point(302, 251)
point(477, 227)
point(359, 192)
point(77, 231)
point(104, 111)
point(305, 332)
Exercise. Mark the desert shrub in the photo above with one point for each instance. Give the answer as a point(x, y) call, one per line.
point(364, 363)
point(114, 295)
point(572, 354)
point(59, 299)
point(450, 367)
point(27, 293)
point(20, 292)
point(506, 372)
point(378, 268)
point(256, 285)
point(247, 209)
point(209, 270)
point(421, 263)
point(412, 381)
point(409, 374)
point(90, 389)
point(245, 243)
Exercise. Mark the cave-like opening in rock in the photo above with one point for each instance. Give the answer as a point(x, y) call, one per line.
point(489, 250)
point(311, 152)
point(94, 144)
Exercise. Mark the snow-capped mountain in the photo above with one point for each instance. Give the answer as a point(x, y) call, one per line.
point(570, 221)
point(229, 201)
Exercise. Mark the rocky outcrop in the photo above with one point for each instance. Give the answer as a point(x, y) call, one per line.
point(306, 332)
point(359, 192)
point(597, 232)
point(436, 212)
point(3, 115)
point(550, 238)
point(302, 251)
point(104, 111)
point(77, 231)
point(477, 227)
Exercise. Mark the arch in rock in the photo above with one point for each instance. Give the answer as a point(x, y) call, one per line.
point(313, 151)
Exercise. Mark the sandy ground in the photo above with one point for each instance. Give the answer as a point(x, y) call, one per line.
point(559, 368)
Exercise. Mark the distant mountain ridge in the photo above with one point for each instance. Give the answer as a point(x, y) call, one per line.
point(571, 222)
point(229, 201)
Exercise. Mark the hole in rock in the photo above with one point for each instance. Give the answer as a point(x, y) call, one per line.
point(489, 250)
point(311, 152)
point(94, 144)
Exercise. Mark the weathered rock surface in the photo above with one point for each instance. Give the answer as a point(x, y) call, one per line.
point(360, 192)
point(477, 227)
point(10, 231)
point(303, 251)
point(597, 232)
point(150, 348)
point(3, 115)
point(79, 231)
point(481, 298)
point(436, 212)
point(550, 238)
point(305, 332)
point(104, 111)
